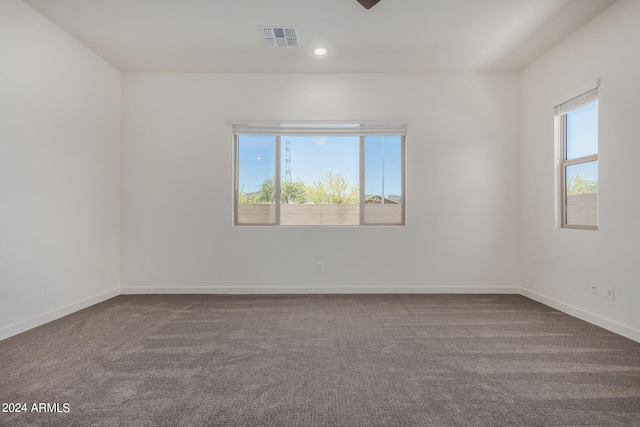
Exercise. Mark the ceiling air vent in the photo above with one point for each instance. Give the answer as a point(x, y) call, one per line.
point(279, 36)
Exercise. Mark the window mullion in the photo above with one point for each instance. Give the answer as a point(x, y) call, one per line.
point(403, 178)
point(563, 192)
point(277, 182)
point(362, 167)
point(236, 205)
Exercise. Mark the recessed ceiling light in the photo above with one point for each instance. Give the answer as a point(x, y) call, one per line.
point(320, 51)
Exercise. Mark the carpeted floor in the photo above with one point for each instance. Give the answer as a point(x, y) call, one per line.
point(312, 360)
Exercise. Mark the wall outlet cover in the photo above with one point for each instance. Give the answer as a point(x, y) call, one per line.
point(611, 292)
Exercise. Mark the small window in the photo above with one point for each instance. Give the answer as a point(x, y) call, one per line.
point(578, 136)
point(319, 174)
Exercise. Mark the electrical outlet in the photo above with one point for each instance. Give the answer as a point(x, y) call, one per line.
point(594, 288)
point(611, 292)
point(318, 267)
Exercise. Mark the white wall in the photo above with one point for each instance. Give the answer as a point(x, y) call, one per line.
point(177, 185)
point(60, 109)
point(558, 265)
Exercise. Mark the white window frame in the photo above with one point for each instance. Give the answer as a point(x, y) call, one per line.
point(582, 97)
point(320, 128)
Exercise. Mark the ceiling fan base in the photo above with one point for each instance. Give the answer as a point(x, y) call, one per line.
point(368, 4)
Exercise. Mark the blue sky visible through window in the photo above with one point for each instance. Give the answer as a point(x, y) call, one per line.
point(312, 157)
point(582, 131)
point(256, 161)
point(385, 151)
point(582, 140)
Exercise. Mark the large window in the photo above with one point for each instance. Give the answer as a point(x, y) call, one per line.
point(578, 137)
point(319, 174)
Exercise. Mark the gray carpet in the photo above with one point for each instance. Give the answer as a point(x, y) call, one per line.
point(338, 360)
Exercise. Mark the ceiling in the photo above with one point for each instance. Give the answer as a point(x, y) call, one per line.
point(394, 36)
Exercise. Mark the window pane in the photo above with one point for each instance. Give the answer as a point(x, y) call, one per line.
point(383, 180)
point(582, 194)
point(320, 180)
point(582, 131)
point(256, 179)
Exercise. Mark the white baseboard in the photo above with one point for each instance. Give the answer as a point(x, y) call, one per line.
point(25, 325)
point(273, 290)
point(594, 319)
